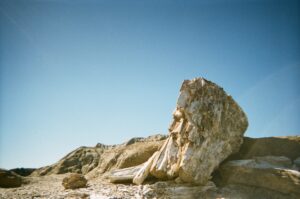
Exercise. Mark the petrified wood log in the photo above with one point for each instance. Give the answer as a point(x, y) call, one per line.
point(208, 126)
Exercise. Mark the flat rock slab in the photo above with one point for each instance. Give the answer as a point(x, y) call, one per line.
point(288, 146)
point(266, 172)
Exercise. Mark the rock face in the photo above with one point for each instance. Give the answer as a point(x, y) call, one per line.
point(271, 172)
point(9, 179)
point(131, 153)
point(81, 160)
point(288, 146)
point(74, 181)
point(207, 127)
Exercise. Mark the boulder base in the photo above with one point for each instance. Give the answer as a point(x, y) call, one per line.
point(271, 172)
point(207, 126)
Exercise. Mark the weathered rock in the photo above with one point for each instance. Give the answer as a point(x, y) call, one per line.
point(97, 160)
point(124, 175)
point(74, 181)
point(9, 179)
point(288, 146)
point(208, 126)
point(81, 160)
point(127, 155)
point(269, 172)
point(177, 191)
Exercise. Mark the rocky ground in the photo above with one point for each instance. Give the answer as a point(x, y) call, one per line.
point(221, 186)
point(50, 187)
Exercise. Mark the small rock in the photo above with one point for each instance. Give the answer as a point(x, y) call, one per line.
point(74, 181)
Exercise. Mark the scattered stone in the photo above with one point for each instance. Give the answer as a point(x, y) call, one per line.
point(74, 181)
point(266, 172)
point(9, 179)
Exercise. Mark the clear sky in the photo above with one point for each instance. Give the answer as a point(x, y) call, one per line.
point(80, 72)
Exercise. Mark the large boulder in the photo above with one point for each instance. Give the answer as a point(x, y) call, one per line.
point(208, 126)
point(271, 172)
point(9, 179)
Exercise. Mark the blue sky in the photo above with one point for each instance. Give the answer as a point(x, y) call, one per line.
point(76, 73)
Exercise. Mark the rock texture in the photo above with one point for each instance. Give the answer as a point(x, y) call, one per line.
point(169, 189)
point(50, 185)
point(271, 172)
point(9, 179)
point(81, 160)
point(128, 154)
point(208, 126)
point(288, 146)
point(74, 181)
point(95, 161)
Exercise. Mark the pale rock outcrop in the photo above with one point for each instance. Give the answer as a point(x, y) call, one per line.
point(97, 160)
point(271, 172)
point(129, 154)
point(81, 160)
point(208, 126)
